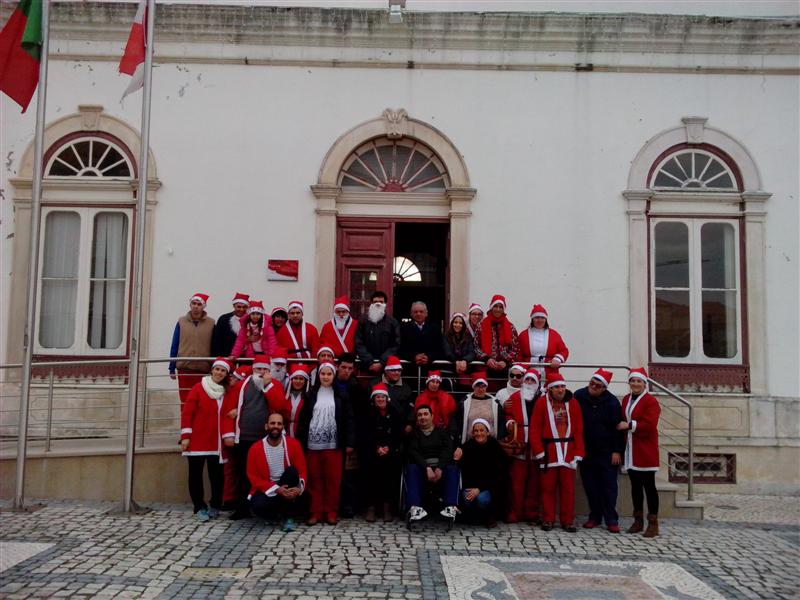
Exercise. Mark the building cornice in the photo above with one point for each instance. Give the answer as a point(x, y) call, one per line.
point(358, 37)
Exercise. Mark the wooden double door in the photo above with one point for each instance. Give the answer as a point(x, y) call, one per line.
point(407, 259)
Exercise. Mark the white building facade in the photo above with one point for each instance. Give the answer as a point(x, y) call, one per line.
point(635, 174)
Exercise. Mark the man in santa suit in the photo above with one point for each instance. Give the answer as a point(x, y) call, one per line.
point(557, 440)
point(523, 497)
point(300, 338)
point(539, 343)
point(515, 374)
point(339, 333)
point(246, 407)
point(227, 328)
point(276, 468)
point(496, 340)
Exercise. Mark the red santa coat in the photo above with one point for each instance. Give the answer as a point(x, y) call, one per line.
point(294, 414)
point(294, 338)
point(518, 414)
point(641, 449)
point(258, 466)
point(201, 422)
point(569, 450)
point(336, 340)
point(234, 398)
point(556, 348)
point(442, 404)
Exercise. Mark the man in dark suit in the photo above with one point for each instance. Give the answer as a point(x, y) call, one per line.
point(420, 340)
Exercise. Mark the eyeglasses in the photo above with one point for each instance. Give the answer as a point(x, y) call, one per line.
point(515, 376)
point(595, 383)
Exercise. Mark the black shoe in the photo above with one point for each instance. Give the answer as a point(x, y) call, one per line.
point(547, 526)
point(569, 528)
point(229, 505)
point(240, 514)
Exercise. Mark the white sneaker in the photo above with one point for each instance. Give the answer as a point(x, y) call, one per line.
point(449, 512)
point(416, 513)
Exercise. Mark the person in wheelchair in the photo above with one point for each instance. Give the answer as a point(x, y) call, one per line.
point(430, 462)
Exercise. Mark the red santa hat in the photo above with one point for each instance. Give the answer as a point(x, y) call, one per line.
point(256, 306)
point(517, 367)
point(531, 373)
point(295, 304)
point(261, 361)
point(638, 374)
point(242, 372)
point(603, 376)
point(538, 311)
point(479, 377)
point(434, 376)
point(299, 370)
point(222, 362)
point(393, 364)
point(326, 349)
point(241, 298)
point(554, 380)
point(327, 365)
point(201, 298)
point(379, 388)
point(475, 306)
point(458, 314)
point(280, 355)
point(278, 309)
point(498, 299)
point(340, 302)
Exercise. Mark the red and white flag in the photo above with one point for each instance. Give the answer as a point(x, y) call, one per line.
point(132, 62)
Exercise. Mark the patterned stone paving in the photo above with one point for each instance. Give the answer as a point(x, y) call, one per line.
point(74, 550)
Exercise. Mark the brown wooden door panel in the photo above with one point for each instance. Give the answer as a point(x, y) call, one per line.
point(364, 261)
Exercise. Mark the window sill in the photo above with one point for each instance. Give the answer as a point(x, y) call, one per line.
point(702, 378)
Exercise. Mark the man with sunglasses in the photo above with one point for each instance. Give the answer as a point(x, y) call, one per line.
point(601, 412)
point(515, 374)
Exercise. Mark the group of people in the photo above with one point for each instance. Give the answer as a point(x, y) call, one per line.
point(298, 432)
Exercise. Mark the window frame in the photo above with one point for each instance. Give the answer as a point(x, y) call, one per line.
point(81, 346)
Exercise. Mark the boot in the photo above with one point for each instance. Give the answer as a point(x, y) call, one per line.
point(638, 522)
point(652, 526)
point(387, 513)
point(369, 517)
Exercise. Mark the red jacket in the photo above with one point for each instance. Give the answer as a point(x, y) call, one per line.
point(258, 467)
point(234, 397)
point(518, 414)
point(201, 423)
point(442, 406)
point(244, 347)
point(641, 449)
point(556, 348)
point(291, 422)
point(305, 336)
point(565, 453)
point(329, 336)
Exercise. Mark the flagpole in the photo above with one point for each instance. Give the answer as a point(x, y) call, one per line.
point(128, 505)
point(33, 269)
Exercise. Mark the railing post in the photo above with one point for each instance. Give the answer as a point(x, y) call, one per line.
point(49, 431)
point(419, 380)
point(690, 487)
point(145, 397)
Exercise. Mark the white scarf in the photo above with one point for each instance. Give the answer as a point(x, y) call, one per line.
point(214, 390)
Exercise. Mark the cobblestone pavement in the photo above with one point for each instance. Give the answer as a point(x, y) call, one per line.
point(70, 549)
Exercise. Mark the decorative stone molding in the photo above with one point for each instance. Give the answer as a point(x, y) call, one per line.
point(395, 122)
point(694, 129)
point(90, 115)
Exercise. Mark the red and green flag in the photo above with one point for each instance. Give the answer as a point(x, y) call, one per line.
point(20, 52)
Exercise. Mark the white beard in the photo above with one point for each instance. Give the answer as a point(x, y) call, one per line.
point(376, 312)
point(236, 325)
point(278, 372)
point(340, 322)
point(528, 391)
point(258, 382)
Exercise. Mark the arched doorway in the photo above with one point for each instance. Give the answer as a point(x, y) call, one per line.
point(393, 188)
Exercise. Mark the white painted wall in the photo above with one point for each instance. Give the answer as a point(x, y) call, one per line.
point(237, 148)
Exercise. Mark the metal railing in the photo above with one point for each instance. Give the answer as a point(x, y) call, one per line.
point(83, 410)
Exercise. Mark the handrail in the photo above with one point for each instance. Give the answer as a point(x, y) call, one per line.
point(441, 364)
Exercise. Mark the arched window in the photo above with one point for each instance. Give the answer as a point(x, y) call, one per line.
point(89, 156)
point(394, 165)
point(405, 270)
point(694, 169)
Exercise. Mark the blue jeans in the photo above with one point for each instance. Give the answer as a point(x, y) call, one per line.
point(479, 503)
point(416, 479)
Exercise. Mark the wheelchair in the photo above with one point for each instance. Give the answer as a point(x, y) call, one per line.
point(432, 502)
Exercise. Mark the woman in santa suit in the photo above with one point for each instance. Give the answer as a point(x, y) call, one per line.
point(539, 343)
point(200, 438)
point(296, 395)
point(256, 335)
point(641, 412)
